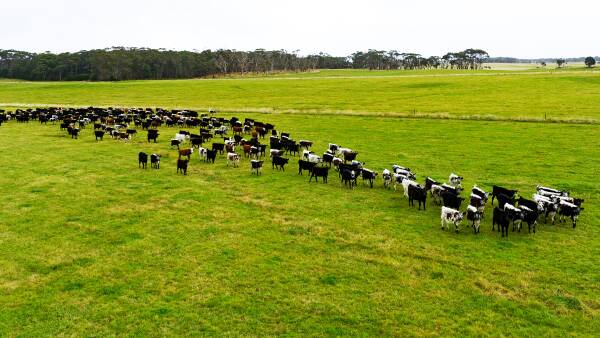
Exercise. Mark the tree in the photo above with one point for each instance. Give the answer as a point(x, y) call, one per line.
point(590, 61)
point(560, 62)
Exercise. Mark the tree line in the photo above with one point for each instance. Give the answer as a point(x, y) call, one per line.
point(120, 63)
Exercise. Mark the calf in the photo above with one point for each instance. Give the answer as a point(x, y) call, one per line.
point(477, 202)
point(474, 216)
point(317, 172)
point(546, 191)
point(515, 215)
point(550, 207)
point(479, 192)
point(155, 161)
point(233, 159)
point(387, 178)
point(496, 190)
point(530, 216)
point(455, 180)
point(211, 155)
point(99, 134)
point(305, 165)
point(279, 162)
point(182, 166)
point(152, 135)
point(451, 216)
point(501, 218)
point(305, 144)
point(350, 156)
point(418, 193)
point(368, 175)
point(276, 152)
point(429, 182)
point(175, 142)
point(142, 160)
point(348, 178)
point(406, 183)
point(569, 210)
point(504, 200)
point(256, 166)
point(328, 158)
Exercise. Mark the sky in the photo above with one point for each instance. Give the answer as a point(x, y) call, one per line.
point(523, 29)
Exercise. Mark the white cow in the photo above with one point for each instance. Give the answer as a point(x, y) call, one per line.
point(451, 216)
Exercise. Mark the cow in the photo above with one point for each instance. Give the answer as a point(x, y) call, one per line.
point(175, 142)
point(304, 144)
point(99, 134)
point(182, 166)
point(220, 147)
point(501, 218)
point(407, 183)
point(333, 148)
point(451, 200)
point(386, 175)
point(305, 165)
point(276, 152)
point(455, 180)
point(474, 216)
point(546, 191)
point(348, 178)
point(436, 193)
point(451, 216)
point(152, 135)
point(398, 179)
point(504, 200)
point(550, 207)
point(278, 162)
point(429, 182)
point(530, 216)
point(481, 193)
point(73, 132)
point(233, 159)
point(328, 158)
point(211, 155)
point(317, 172)
point(496, 190)
point(186, 152)
point(404, 171)
point(515, 215)
point(418, 193)
point(477, 202)
point(533, 205)
point(256, 166)
point(142, 160)
point(349, 156)
point(368, 175)
point(566, 209)
point(155, 161)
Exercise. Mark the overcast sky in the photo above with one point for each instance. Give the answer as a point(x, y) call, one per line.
point(526, 29)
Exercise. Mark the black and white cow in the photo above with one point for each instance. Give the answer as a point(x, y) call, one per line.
point(550, 207)
point(566, 209)
point(368, 175)
point(417, 193)
point(530, 216)
point(548, 192)
point(386, 175)
point(451, 216)
point(429, 182)
point(515, 215)
point(256, 167)
point(155, 161)
point(455, 180)
point(233, 159)
point(474, 215)
point(481, 193)
point(348, 177)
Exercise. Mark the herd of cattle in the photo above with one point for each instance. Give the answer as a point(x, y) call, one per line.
point(243, 138)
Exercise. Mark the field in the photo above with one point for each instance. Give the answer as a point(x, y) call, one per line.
point(92, 245)
point(570, 94)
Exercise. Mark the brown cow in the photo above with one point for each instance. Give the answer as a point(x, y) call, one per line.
point(186, 152)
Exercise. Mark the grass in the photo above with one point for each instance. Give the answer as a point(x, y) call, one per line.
point(564, 95)
point(92, 245)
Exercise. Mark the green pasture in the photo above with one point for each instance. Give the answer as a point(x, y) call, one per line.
point(539, 95)
point(91, 245)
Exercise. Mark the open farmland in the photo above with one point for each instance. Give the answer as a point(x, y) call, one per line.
point(564, 95)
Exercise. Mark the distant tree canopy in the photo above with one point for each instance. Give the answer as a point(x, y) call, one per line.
point(120, 63)
point(590, 61)
point(561, 62)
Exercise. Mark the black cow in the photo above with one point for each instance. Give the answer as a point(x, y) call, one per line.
point(211, 155)
point(451, 200)
point(500, 218)
point(142, 160)
point(504, 199)
point(496, 190)
point(328, 158)
point(530, 216)
point(218, 147)
point(479, 192)
point(368, 175)
point(279, 162)
point(182, 166)
point(99, 134)
point(417, 192)
point(317, 172)
point(350, 156)
point(152, 135)
point(429, 182)
point(73, 132)
point(305, 165)
point(154, 161)
point(175, 142)
point(533, 205)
